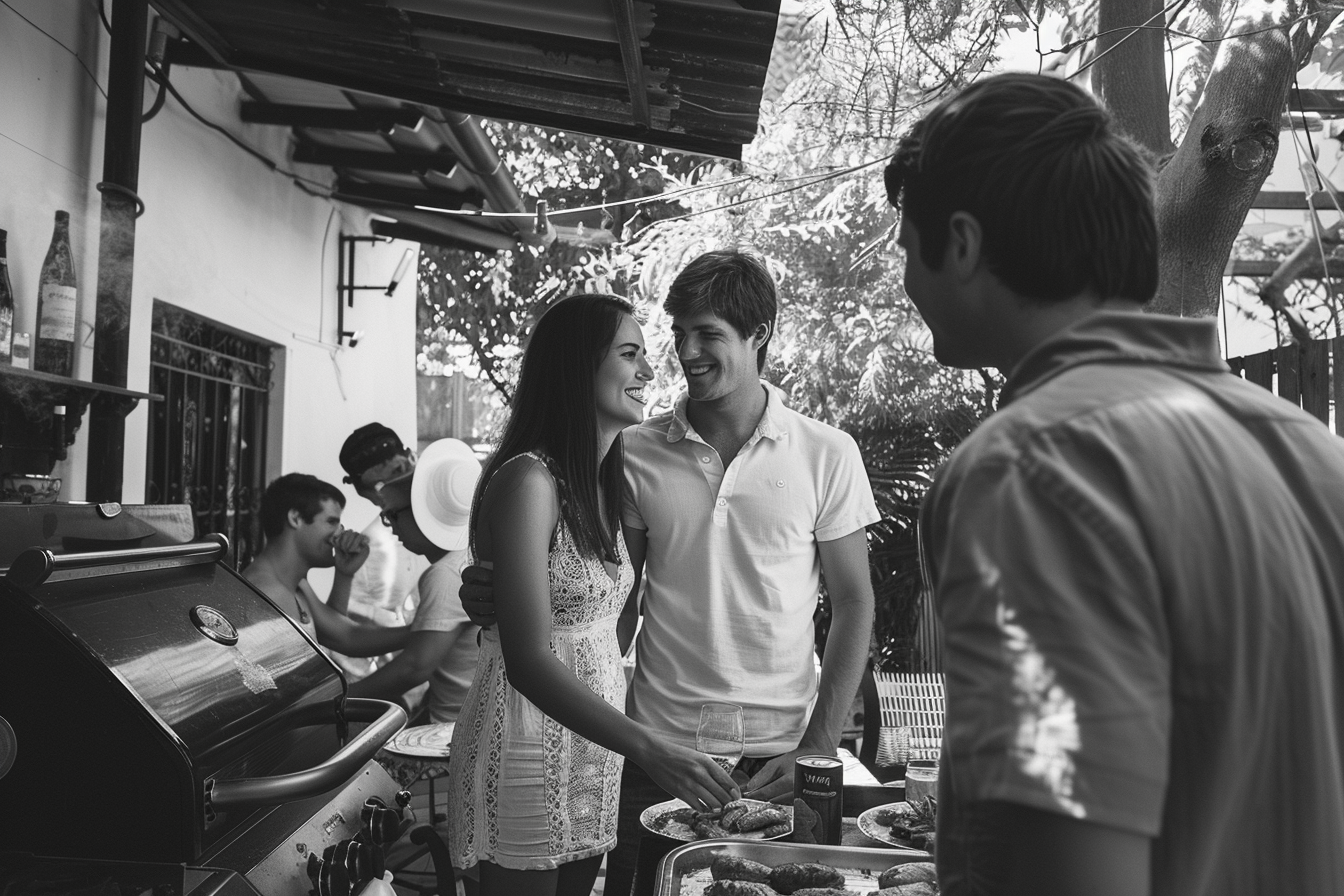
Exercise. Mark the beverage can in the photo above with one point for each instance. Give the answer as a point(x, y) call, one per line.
point(818, 806)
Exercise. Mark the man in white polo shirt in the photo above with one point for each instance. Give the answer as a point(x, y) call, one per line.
point(736, 507)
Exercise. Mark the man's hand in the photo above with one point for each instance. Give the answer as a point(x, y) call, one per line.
point(350, 549)
point(478, 595)
point(774, 782)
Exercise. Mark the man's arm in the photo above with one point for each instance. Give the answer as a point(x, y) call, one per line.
point(424, 651)
point(351, 550)
point(341, 633)
point(844, 564)
point(1049, 854)
point(377, 574)
point(636, 545)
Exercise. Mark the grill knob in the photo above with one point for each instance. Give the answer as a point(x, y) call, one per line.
point(9, 747)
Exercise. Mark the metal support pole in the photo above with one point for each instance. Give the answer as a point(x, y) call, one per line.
point(116, 245)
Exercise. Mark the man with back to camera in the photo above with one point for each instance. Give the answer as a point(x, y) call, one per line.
point(428, 511)
point(1138, 560)
point(301, 518)
point(736, 506)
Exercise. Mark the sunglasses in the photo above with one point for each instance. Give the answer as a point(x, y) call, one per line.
point(389, 517)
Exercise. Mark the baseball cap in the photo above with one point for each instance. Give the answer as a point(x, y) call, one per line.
point(371, 444)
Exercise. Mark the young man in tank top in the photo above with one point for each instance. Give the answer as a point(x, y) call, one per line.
point(301, 518)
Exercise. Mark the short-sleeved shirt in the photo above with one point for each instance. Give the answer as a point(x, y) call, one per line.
point(732, 571)
point(441, 610)
point(1139, 567)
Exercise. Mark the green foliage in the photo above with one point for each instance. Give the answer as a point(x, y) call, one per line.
point(475, 307)
point(807, 197)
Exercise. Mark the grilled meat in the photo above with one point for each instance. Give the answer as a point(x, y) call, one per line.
point(909, 873)
point(738, 868)
point(794, 876)
point(763, 817)
point(738, 888)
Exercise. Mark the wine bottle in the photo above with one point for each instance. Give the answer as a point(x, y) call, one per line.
point(6, 306)
point(57, 303)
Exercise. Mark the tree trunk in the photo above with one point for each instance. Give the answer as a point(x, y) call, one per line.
point(1207, 187)
point(1130, 73)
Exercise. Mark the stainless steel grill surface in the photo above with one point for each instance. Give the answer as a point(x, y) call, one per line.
point(158, 710)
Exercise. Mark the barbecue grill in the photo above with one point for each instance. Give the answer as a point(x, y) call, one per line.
point(157, 712)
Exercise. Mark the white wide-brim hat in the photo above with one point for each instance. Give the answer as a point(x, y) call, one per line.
point(442, 487)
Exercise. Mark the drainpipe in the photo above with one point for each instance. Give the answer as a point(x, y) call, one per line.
point(116, 247)
point(496, 182)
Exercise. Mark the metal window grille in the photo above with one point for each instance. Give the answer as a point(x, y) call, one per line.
point(207, 438)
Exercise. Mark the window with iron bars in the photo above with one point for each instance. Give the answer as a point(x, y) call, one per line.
point(207, 438)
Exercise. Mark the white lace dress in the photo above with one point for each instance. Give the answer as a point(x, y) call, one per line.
point(526, 792)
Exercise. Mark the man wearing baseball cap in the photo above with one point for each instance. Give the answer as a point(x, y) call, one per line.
point(428, 510)
point(383, 591)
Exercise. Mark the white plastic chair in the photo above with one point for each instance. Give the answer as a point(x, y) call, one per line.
point(910, 716)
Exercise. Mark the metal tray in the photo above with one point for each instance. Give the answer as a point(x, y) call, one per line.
point(685, 870)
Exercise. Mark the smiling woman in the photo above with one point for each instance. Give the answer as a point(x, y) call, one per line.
point(537, 752)
point(619, 383)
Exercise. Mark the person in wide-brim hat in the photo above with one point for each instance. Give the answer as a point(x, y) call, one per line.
point(428, 510)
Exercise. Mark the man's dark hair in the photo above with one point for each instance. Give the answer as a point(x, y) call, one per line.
point(729, 284)
point(295, 491)
point(1064, 202)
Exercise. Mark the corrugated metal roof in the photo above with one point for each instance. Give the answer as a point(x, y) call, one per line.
point(554, 63)
point(683, 74)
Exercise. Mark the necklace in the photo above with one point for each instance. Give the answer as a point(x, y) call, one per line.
point(298, 601)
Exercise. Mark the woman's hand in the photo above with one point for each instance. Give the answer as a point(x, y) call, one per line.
point(688, 775)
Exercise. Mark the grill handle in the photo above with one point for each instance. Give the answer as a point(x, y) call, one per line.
point(387, 719)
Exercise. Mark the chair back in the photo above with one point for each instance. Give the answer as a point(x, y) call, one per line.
point(896, 702)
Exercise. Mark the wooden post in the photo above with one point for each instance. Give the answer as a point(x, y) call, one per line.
point(1315, 379)
point(1337, 352)
point(1286, 363)
point(1260, 369)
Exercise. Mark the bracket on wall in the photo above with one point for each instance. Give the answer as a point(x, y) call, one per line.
point(345, 287)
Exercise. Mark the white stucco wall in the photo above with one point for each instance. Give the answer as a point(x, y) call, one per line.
point(222, 237)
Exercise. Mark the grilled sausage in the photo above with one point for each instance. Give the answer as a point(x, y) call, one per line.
point(732, 812)
point(918, 888)
point(763, 817)
point(738, 868)
point(793, 876)
point(909, 873)
point(738, 888)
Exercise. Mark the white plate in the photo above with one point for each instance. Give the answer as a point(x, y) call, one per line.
point(422, 741)
point(871, 826)
point(651, 819)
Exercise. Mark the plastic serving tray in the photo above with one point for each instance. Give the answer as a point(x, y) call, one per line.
point(685, 870)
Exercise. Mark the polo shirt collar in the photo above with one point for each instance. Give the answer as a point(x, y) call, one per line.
point(1119, 337)
point(771, 425)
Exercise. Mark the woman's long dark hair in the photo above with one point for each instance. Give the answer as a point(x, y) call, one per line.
point(554, 412)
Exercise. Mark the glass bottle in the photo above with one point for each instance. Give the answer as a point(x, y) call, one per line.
point(57, 303)
point(6, 306)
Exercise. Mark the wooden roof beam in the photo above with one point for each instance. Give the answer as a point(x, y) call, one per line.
point(371, 120)
point(410, 196)
point(374, 160)
point(1329, 103)
point(632, 59)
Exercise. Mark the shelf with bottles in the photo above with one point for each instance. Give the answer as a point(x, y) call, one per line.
point(33, 434)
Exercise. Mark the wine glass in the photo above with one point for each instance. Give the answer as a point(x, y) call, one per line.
point(721, 735)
